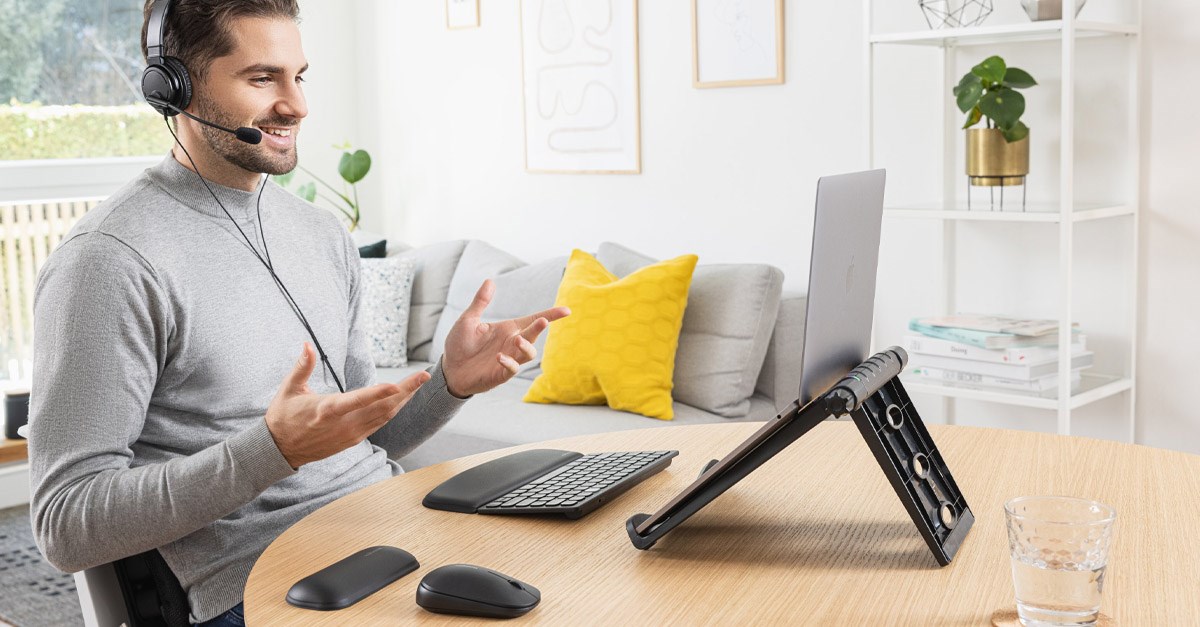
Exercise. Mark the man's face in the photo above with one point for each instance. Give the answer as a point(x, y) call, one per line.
point(257, 85)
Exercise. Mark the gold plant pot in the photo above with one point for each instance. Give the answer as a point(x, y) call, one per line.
point(992, 161)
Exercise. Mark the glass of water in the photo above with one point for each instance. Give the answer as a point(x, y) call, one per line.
point(1059, 549)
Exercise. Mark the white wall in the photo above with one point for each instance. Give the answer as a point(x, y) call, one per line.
point(337, 79)
point(1170, 246)
point(730, 173)
point(718, 165)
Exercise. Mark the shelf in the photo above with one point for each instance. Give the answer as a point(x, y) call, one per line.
point(985, 35)
point(1092, 387)
point(1034, 212)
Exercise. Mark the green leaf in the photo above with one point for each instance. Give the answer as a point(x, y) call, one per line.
point(968, 92)
point(1018, 132)
point(283, 179)
point(353, 167)
point(307, 191)
point(991, 70)
point(1004, 106)
point(1017, 78)
point(973, 117)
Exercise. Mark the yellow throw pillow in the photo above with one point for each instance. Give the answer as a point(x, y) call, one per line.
point(618, 345)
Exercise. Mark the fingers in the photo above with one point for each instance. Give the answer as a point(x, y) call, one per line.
point(296, 381)
point(552, 314)
point(343, 404)
point(535, 328)
point(482, 299)
point(379, 412)
point(524, 350)
point(525, 353)
point(508, 363)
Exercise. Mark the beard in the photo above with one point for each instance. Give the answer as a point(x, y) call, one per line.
point(249, 157)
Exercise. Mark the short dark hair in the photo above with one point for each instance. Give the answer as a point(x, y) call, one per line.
point(197, 32)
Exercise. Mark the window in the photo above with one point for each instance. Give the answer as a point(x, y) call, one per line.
point(70, 73)
point(73, 128)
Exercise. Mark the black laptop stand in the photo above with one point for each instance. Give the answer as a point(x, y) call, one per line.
point(874, 397)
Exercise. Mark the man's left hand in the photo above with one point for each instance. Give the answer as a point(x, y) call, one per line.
point(481, 355)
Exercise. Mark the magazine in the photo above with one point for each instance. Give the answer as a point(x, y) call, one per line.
point(994, 324)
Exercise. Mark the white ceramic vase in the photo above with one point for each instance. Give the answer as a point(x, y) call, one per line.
point(1039, 10)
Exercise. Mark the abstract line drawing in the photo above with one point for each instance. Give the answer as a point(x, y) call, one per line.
point(580, 73)
point(737, 42)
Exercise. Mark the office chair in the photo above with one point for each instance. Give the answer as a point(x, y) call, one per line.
point(138, 591)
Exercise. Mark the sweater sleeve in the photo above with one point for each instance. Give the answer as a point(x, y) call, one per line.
point(102, 329)
point(427, 411)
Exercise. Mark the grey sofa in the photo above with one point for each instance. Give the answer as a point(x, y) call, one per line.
point(738, 359)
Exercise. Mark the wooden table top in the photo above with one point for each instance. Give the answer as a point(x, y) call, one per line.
point(13, 450)
point(816, 535)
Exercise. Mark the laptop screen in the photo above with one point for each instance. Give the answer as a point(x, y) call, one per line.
point(841, 280)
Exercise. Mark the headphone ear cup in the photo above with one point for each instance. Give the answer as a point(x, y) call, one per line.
point(183, 97)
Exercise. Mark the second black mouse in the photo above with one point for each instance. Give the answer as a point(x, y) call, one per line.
point(475, 591)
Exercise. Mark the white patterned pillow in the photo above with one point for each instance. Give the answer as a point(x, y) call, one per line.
point(386, 294)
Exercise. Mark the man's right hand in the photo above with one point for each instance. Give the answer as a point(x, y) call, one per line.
point(308, 427)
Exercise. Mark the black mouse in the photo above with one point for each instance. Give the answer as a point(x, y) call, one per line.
point(475, 591)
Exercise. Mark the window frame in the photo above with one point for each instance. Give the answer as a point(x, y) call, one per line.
point(58, 179)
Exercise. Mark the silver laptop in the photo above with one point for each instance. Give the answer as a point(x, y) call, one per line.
point(841, 303)
point(841, 279)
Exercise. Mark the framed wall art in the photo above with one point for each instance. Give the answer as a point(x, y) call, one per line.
point(462, 14)
point(580, 74)
point(737, 42)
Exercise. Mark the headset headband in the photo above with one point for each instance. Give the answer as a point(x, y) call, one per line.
point(155, 28)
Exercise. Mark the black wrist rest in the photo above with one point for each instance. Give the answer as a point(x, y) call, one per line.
point(473, 488)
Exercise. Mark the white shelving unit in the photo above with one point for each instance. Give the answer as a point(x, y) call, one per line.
point(948, 209)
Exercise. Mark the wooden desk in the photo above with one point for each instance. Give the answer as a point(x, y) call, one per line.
point(816, 535)
point(13, 450)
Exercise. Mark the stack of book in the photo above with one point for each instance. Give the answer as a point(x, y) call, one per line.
point(992, 352)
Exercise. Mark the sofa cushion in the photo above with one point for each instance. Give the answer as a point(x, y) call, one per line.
point(435, 266)
point(727, 328)
point(501, 416)
point(521, 289)
point(780, 377)
point(618, 345)
point(386, 295)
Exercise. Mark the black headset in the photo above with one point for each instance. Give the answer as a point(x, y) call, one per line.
point(168, 88)
point(166, 79)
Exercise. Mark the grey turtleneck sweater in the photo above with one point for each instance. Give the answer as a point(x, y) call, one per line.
point(159, 343)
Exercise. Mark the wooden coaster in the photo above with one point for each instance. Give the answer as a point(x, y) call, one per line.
point(1008, 618)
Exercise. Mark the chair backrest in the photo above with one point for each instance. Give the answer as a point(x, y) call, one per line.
point(153, 596)
point(138, 591)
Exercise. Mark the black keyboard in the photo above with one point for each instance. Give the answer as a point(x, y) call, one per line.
point(582, 485)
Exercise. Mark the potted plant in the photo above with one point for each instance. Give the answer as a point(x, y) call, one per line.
point(999, 153)
point(352, 167)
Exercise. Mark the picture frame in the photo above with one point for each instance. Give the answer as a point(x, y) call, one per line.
point(737, 43)
point(462, 14)
point(580, 86)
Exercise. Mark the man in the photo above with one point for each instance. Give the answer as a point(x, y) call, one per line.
point(158, 417)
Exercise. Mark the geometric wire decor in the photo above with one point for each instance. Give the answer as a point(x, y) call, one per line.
point(955, 13)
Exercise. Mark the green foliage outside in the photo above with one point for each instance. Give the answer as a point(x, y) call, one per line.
point(58, 55)
point(32, 131)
